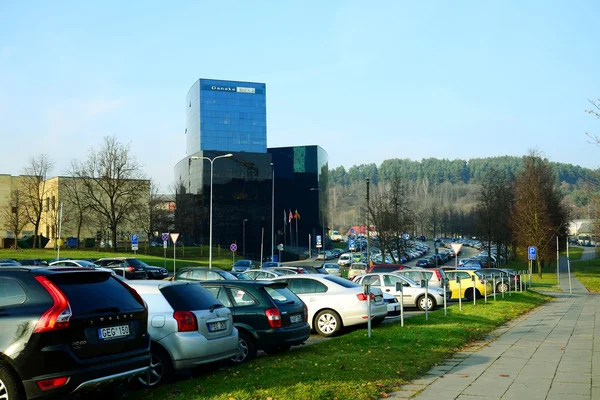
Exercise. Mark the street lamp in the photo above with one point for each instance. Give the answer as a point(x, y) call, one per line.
point(272, 210)
point(244, 235)
point(210, 232)
point(322, 216)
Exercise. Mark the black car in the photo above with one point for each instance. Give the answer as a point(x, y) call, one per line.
point(268, 315)
point(9, 262)
point(152, 272)
point(69, 330)
point(34, 262)
point(130, 268)
point(422, 263)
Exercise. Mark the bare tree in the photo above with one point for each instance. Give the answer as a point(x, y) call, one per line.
point(78, 209)
point(14, 214)
point(152, 215)
point(113, 186)
point(391, 213)
point(35, 190)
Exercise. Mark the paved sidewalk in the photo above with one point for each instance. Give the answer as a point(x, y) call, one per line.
point(551, 353)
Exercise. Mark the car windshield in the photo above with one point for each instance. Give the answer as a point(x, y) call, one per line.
point(281, 295)
point(341, 281)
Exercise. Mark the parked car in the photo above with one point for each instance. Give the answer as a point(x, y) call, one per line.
point(123, 266)
point(241, 276)
point(422, 262)
point(393, 305)
point(386, 268)
point(434, 276)
point(413, 294)
point(466, 285)
point(357, 269)
point(471, 264)
point(345, 260)
point(9, 262)
point(202, 274)
point(255, 274)
point(334, 302)
point(194, 329)
point(325, 255)
point(33, 262)
point(336, 252)
point(80, 264)
point(267, 314)
point(504, 278)
point(152, 272)
point(332, 269)
point(271, 264)
point(69, 331)
point(242, 265)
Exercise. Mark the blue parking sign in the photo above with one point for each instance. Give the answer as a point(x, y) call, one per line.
point(532, 252)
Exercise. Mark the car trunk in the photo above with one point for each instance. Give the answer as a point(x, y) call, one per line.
point(290, 307)
point(106, 317)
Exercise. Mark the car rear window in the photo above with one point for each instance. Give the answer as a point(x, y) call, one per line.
point(92, 290)
point(281, 294)
point(341, 281)
point(189, 297)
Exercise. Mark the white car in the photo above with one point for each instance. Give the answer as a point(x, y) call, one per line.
point(335, 302)
point(345, 260)
point(188, 327)
point(261, 274)
point(413, 294)
point(80, 264)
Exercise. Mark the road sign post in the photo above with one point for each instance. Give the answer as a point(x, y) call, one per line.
point(474, 291)
point(502, 286)
point(174, 237)
point(485, 282)
point(494, 285)
point(134, 243)
point(280, 248)
point(460, 294)
point(367, 292)
point(165, 238)
point(233, 248)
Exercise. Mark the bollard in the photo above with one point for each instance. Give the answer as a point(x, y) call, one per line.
point(400, 288)
point(485, 282)
point(444, 283)
point(502, 279)
point(494, 285)
point(474, 292)
point(460, 293)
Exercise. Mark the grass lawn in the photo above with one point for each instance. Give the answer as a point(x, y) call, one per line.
point(353, 366)
point(574, 253)
point(548, 280)
point(188, 257)
point(588, 273)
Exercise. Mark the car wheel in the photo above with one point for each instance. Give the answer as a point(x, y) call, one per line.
point(428, 303)
point(469, 294)
point(327, 323)
point(161, 368)
point(10, 387)
point(502, 287)
point(246, 349)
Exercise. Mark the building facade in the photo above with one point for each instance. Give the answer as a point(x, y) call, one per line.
point(226, 116)
point(229, 118)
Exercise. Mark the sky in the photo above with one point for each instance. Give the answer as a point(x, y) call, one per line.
point(367, 81)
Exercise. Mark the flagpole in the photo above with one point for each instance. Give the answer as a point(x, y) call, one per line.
point(296, 218)
point(284, 225)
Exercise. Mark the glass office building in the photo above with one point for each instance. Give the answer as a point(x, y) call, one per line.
point(226, 116)
point(230, 117)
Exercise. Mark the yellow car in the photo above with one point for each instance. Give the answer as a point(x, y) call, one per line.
point(466, 284)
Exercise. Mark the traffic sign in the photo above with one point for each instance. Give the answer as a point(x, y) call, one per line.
point(164, 244)
point(174, 237)
point(134, 242)
point(352, 231)
point(165, 236)
point(456, 248)
point(280, 247)
point(233, 247)
point(532, 252)
point(319, 245)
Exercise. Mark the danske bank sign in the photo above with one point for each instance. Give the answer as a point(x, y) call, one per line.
point(237, 89)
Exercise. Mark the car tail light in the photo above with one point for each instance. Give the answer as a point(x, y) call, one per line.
point(305, 313)
point(130, 269)
point(57, 317)
point(133, 292)
point(274, 317)
point(437, 273)
point(363, 297)
point(47, 384)
point(186, 321)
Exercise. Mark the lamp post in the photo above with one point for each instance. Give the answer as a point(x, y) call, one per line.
point(244, 236)
point(368, 230)
point(210, 218)
point(322, 216)
point(273, 210)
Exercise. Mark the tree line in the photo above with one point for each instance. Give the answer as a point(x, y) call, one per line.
point(437, 170)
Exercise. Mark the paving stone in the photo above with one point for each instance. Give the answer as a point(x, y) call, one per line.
point(570, 388)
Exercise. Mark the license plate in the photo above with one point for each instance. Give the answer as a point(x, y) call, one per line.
point(217, 326)
point(113, 332)
point(294, 319)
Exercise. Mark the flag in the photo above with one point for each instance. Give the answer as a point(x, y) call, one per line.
point(284, 218)
point(291, 217)
point(297, 215)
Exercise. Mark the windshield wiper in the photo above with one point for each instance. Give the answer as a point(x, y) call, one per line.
point(214, 306)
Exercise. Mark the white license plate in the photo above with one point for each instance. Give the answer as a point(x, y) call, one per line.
point(113, 332)
point(217, 326)
point(294, 319)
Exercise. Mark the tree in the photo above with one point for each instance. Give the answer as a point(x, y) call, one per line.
point(78, 209)
point(153, 215)
point(112, 184)
point(539, 213)
point(14, 214)
point(35, 190)
point(391, 213)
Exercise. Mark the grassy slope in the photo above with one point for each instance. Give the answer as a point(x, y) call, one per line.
point(184, 257)
point(588, 273)
point(353, 366)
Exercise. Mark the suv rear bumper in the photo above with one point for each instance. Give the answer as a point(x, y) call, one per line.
point(288, 336)
point(90, 378)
